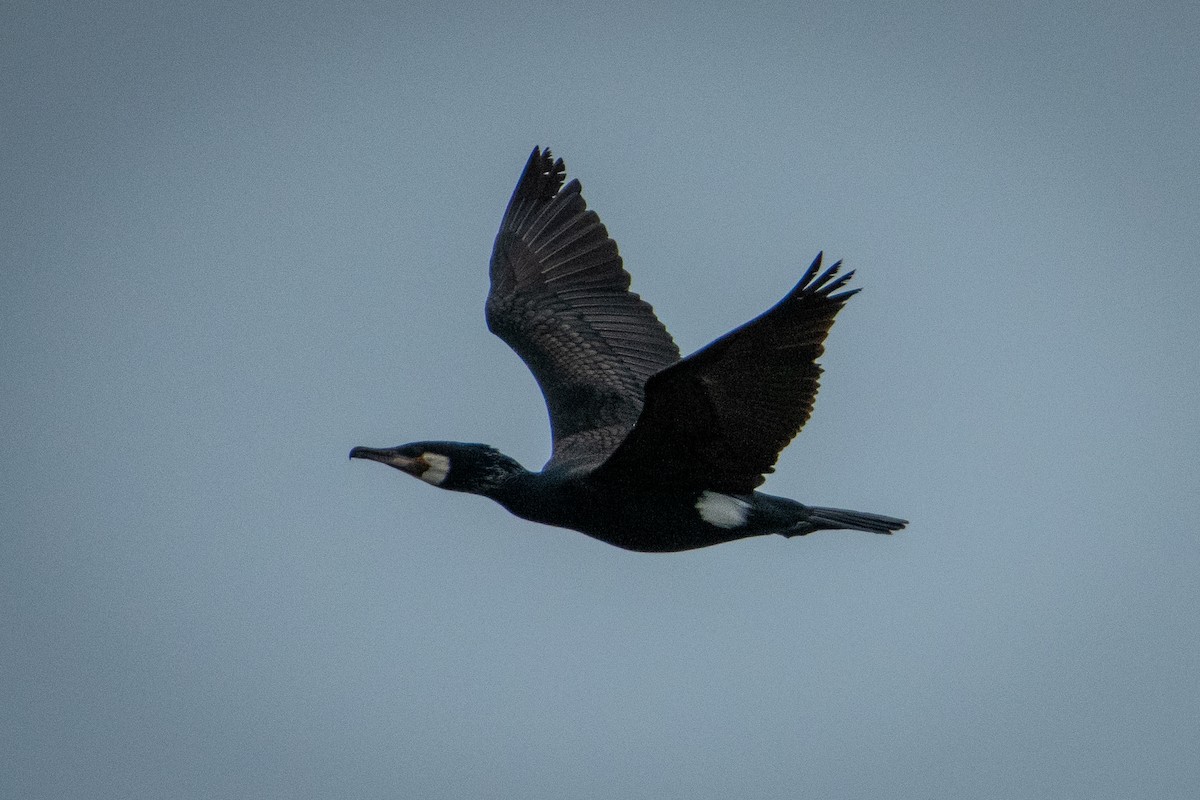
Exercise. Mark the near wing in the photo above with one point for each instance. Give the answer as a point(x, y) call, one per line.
point(561, 300)
point(718, 418)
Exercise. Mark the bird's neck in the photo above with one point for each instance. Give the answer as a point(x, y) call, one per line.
point(498, 478)
point(512, 482)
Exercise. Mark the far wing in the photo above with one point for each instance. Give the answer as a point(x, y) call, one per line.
point(560, 298)
point(719, 418)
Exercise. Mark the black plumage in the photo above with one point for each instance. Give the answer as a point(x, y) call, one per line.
point(650, 452)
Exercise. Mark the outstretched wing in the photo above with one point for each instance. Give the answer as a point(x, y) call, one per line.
point(718, 418)
point(560, 298)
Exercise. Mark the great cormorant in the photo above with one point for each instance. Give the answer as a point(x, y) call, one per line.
point(651, 452)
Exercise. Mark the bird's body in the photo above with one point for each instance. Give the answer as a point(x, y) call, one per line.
point(653, 520)
point(651, 452)
point(649, 519)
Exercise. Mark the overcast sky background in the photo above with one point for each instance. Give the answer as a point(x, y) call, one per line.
point(239, 239)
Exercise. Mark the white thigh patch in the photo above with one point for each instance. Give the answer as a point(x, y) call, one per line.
point(722, 510)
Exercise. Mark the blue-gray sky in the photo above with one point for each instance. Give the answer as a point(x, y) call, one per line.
point(238, 239)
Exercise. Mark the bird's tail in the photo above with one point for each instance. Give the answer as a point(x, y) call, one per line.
point(824, 519)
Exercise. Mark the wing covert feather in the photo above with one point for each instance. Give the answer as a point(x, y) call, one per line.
point(719, 418)
point(560, 298)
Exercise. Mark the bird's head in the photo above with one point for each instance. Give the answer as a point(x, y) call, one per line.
point(474, 468)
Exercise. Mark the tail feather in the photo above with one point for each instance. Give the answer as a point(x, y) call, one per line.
point(821, 519)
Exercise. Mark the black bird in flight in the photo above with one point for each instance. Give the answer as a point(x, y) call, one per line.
point(651, 452)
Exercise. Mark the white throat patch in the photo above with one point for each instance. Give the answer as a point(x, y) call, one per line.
point(439, 468)
point(722, 510)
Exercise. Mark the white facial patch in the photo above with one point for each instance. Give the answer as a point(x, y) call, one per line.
point(722, 510)
point(439, 468)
